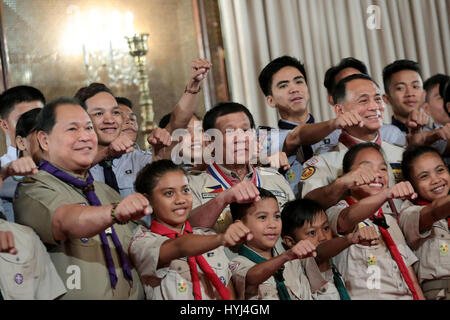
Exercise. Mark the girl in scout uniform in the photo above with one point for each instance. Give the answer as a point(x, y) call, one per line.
point(383, 271)
point(174, 261)
point(262, 270)
point(425, 221)
point(304, 219)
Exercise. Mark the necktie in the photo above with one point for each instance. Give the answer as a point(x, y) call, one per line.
point(279, 279)
point(304, 152)
point(110, 177)
point(337, 278)
point(379, 220)
point(88, 190)
point(158, 228)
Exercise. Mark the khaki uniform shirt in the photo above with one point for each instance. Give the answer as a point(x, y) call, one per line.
point(80, 262)
point(325, 168)
point(174, 281)
point(30, 274)
point(202, 186)
point(370, 272)
point(294, 278)
point(431, 247)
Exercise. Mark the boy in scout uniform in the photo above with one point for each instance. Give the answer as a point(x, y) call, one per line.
point(261, 271)
point(83, 223)
point(320, 174)
point(234, 179)
point(26, 271)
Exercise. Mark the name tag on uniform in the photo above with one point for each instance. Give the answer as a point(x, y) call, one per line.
point(207, 195)
point(278, 194)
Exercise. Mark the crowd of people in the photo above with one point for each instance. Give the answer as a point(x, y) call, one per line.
point(223, 208)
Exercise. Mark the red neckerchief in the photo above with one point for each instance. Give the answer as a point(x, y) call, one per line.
point(395, 253)
point(348, 141)
point(192, 261)
point(422, 202)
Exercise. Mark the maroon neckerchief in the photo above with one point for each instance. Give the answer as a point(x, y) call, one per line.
point(348, 141)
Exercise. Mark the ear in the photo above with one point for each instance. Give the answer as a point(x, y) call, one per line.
point(43, 140)
point(20, 143)
point(4, 125)
point(338, 109)
point(426, 108)
point(330, 100)
point(288, 241)
point(386, 99)
point(270, 101)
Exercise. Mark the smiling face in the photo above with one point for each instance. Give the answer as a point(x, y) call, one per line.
point(434, 107)
point(72, 142)
point(129, 125)
point(363, 96)
point(263, 218)
point(106, 117)
point(372, 158)
point(430, 176)
point(290, 94)
point(171, 200)
point(405, 92)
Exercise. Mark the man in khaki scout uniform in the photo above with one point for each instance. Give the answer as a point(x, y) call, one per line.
point(26, 271)
point(222, 184)
point(321, 177)
point(82, 223)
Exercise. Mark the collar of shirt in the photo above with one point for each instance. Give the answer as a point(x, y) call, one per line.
point(284, 124)
point(77, 176)
point(399, 125)
point(359, 140)
point(234, 178)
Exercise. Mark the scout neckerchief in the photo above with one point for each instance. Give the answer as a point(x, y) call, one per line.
point(380, 220)
point(88, 190)
point(214, 170)
point(304, 152)
point(337, 278)
point(349, 141)
point(279, 279)
point(193, 261)
point(422, 202)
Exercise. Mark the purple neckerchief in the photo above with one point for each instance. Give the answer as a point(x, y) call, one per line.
point(88, 189)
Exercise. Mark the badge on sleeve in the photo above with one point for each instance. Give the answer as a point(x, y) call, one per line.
point(233, 266)
point(291, 175)
point(308, 172)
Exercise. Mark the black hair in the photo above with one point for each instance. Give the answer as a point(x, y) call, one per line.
point(166, 119)
point(397, 66)
point(18, 94)
point(444, 92)
point(26, 123)
point(330, 75)
point(350, 155)
point(239, 210)
point(340, 90)
point(411, 153)
point(266, 75)
point(295, 213)
point(125, 101)
point(222, 109)
point(148, 177)
point(88, 92)
point(46, 119)
point(437, 79)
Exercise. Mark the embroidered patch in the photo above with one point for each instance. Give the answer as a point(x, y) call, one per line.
point(84, 240)
point(311, 162)
point(182, 287)
point(444, 248)
point(371, 260)
point(233, 266)
point(18, 278)
point(213, 189)
point(222, 278)
point(308, 172)
point(291, 175)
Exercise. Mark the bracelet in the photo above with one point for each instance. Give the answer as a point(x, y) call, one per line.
point(114, 218)
point(186, 90)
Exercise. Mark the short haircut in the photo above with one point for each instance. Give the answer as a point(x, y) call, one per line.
point(350, 155)
point(444, 92)
point(148, 177)
point(27, 122)
point(18, 94)
point(166, 119)
point(330, 82)
point(437, 79)
point(411, 153)
point(125, 101)
point(46, 119)
point(266, 75)
point(88, 92)
point(222, 109)
point(295, 213)
point(239, 210)
point(397, 66)
point(340, 91)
